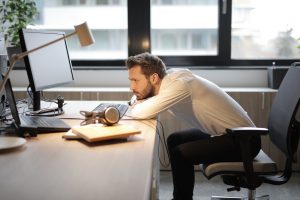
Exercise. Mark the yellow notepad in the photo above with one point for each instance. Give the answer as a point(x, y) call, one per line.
point(99, 132)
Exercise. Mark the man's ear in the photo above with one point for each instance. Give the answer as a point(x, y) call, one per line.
point(154, 79)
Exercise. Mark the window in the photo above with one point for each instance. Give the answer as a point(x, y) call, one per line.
point(189, 33)
point(107, 20)
point(259, 32)
point(184, 27)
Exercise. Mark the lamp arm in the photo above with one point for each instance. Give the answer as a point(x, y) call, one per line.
point(17, 57)
point(23, 54)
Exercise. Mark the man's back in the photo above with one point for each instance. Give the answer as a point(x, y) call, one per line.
point(208, 106)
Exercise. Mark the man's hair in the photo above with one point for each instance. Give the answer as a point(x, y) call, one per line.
point(149, 63)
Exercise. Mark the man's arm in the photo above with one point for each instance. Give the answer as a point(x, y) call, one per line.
point(167, 97)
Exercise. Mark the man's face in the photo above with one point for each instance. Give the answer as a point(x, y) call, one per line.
point(139, 84)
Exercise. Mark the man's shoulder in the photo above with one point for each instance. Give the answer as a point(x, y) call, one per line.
point(177, 78)
point(178, 71)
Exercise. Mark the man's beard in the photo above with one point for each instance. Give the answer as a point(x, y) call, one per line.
point(147, 92)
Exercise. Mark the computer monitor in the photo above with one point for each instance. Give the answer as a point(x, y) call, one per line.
point(47, 67)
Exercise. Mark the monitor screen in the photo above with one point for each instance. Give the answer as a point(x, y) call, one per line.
point(47, 67)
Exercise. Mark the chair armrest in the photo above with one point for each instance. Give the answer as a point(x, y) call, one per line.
point(244, 136)
point(250, 131)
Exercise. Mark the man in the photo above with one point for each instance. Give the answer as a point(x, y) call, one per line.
point(196, 100)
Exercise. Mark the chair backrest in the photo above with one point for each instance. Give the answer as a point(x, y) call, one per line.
point(282, 124)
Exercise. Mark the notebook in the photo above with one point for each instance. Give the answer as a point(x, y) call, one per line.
point(38, 123)
point(100, 132)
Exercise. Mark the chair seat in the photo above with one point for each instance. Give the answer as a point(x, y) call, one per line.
point(262, 164)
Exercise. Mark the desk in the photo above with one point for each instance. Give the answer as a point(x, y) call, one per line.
point(52, 168)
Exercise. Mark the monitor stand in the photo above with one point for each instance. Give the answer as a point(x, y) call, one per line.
point(38, 111)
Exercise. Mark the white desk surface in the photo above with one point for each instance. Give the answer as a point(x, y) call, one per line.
point(51, 168)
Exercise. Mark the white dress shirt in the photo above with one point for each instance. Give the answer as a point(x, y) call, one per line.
point(196, 100)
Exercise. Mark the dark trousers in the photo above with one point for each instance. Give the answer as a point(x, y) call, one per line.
point(192, 147)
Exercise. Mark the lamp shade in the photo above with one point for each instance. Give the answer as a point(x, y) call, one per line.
point(84, 34)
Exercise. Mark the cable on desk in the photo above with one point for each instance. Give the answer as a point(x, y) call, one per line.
point(3, 105)
point(162, 140)
point(164, 163)
point(5, 113)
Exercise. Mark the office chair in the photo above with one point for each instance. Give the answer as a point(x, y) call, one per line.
point(283, 130)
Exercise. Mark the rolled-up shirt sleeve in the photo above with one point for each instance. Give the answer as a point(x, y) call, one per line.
point(168, 96)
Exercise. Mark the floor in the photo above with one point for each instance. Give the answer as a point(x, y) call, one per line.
point(204, 188)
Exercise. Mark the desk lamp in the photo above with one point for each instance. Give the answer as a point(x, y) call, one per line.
point(85, 38)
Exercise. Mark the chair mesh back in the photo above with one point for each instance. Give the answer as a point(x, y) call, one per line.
point(282, 115)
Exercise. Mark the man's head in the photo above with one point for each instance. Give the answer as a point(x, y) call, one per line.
point(145, 74)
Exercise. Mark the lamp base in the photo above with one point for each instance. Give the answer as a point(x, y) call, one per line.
point(10, 142)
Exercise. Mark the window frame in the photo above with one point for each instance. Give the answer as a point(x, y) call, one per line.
point(139, 30)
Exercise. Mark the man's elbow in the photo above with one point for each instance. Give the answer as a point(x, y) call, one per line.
point(142, 115)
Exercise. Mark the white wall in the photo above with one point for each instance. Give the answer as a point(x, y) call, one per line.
point(119, 78)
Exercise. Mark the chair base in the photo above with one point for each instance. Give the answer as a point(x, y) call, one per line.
point(263, 197)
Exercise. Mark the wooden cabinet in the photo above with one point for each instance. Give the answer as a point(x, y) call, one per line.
point(257, 105)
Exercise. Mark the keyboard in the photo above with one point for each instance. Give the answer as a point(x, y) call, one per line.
point(121, 107)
